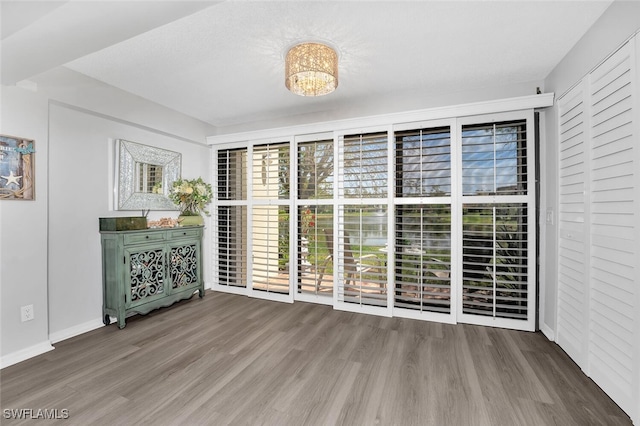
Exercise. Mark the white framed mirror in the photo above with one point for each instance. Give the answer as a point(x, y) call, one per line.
point(144, 176)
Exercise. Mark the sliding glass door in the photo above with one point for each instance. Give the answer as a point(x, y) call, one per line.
point(431, 220)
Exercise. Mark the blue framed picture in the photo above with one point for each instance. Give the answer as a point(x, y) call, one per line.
point(17, 173)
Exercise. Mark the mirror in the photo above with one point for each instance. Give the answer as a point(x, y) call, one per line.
point(145, 176)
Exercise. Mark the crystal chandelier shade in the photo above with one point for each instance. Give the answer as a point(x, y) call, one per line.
point(311, 69)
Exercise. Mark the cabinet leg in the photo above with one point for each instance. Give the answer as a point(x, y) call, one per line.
point(201, 293)
point(106, 320)
point(121, 322)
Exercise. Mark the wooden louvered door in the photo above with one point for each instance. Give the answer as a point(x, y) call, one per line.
point(599, 183)
point(613, 222)
point(573, 238)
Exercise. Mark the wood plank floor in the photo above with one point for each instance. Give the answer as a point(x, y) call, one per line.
point(229, 359)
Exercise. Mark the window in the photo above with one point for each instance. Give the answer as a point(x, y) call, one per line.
point(364, 165)
point(497, 250)
point(494, 159)
point(231, 217)
point(270, 234)
point(362, 252)
point(431, 220)
point(423, 257)
point(315, 254)
point(423, 163)
point(495, 260)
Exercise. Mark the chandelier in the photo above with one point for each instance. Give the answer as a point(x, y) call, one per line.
point(311, 69)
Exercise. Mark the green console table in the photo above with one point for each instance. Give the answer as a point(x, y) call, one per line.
point(147, 269)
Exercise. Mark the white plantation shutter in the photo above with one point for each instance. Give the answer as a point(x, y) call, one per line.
point(498, 224)
point(496, 261)
point(614, 218)
point(572, 241)
point(315, 251)
point(423, 217)
point(231, 218)
point(365, 168)
point(270, 271)
point(423, 258)
point(232, 246)
point(494, 159)
point(362, 272)
point(423, 163)
point(270, 224)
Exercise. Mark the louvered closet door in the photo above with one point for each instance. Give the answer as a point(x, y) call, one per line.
point(599, 194)
point(573, 241)
point(614, 250)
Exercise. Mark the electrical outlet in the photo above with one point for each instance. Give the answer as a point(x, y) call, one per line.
point(26, 312)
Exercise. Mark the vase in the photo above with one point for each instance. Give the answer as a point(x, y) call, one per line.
point(191, 220)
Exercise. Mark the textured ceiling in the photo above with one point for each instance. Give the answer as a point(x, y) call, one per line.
point(222, 62)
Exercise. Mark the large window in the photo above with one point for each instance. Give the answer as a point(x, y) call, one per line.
point(430, 220)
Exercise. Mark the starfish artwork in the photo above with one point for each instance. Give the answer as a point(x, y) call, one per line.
point(11, 179)
point(17, 173)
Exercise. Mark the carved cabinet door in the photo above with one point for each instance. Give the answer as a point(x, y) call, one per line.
point(145, 275)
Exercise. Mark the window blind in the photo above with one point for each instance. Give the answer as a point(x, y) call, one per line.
point(232, 172)
point(231, 218)
point(362, 254)
point(423, 257)
point(364, 165)
point(315, 170)
point(495, 260)
point(232, 246)
point(270, 238)
point(494, 159)
point(271, 171)
point(423, 163)
point(315, 250)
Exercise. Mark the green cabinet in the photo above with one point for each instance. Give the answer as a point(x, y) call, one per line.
point(148, 269)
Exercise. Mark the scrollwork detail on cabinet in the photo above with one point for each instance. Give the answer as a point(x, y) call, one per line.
point(147, 274)
point(183, 265)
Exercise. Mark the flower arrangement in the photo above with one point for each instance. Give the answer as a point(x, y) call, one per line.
point(191, 196)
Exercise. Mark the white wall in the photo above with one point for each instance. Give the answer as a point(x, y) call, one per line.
point(23, 234)
point(50, 247)
point(617, 24)
point(81, 176)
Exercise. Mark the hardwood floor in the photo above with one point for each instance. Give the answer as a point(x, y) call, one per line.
point(229, 359)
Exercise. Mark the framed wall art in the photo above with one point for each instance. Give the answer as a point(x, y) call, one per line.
point(17, 172)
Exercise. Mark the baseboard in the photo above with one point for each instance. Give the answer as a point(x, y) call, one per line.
point(25, 354)
point(547, 331)
point(70, 332)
